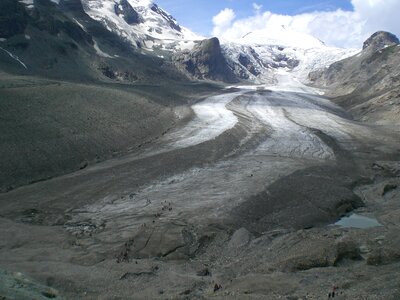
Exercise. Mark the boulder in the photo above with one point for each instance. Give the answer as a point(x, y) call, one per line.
point(240, 238)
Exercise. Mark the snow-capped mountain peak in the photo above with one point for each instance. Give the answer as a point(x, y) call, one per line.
point(278, 35)
point(141, 22)
point(254, 56)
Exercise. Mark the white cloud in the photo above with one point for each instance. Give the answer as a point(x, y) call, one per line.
point(379, 14)
point(336, 28)
point(223, 21)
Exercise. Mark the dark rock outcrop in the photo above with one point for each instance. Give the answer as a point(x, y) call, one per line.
point(130, 15)
point(283, 61)
point(75, 6)
point(13, 18)
point(205, 61)
point(171, 20)
point(247, 63)
point(380, 40)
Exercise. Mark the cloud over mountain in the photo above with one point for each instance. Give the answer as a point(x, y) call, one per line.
point(332, 27)
point(223, 20)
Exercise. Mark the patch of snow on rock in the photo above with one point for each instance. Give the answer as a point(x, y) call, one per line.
point(16, 58)
point(100, 52)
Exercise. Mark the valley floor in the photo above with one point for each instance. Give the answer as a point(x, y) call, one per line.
point(238, 203)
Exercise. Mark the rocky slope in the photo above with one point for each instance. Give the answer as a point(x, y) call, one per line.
point(367, 84)
point(74, 93)
point(241, 214)
point(53, 127)
point(61, 41)
point(129, 41)
point(205, 61)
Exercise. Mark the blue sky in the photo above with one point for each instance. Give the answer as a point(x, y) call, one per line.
point(197, 14)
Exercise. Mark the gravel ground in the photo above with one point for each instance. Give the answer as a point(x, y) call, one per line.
point(246, 213)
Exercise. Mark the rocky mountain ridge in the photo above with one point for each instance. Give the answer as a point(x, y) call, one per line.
point(380, 40)
point(158, 33)
point(60, 41)
point(125, 37)
point(366, 84)
point(138, 21)
point(135, 40)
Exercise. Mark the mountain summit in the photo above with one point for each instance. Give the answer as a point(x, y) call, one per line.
point(141, 22)
point(380, 40)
